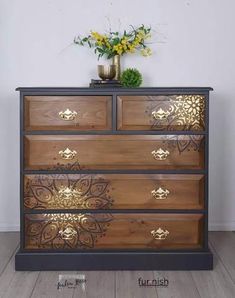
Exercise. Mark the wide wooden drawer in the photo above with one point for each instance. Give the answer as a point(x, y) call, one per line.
point(166, 112)
point(67, 112)
point(113, 191)
point(114, 152)
point(113, 231)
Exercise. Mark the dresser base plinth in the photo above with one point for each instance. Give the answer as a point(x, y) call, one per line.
point(93, 261)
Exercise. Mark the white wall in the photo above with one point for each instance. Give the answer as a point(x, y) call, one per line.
point(195, 47)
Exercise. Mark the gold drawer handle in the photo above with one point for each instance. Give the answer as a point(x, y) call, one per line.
point(160, 114)
point(67, 153)
point(68, 233)
point(160, 234)
point(160, 193)
point(68, 115)
point(160, 154)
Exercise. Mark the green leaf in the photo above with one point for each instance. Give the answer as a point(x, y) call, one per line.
point(116, 41)
point(100, 50)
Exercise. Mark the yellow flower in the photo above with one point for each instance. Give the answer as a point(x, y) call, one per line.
point(101, 40)
point(124, 41)
point(146, 52)
point(131, 48)
point(139, 37)
point(142, 35)
point(136, 41)
point(99, 43)
point(118, 48)
point(96, 35)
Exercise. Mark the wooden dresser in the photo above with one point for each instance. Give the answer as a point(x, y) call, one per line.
point(114, 179)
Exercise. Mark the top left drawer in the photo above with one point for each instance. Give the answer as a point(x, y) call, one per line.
point(67, 112)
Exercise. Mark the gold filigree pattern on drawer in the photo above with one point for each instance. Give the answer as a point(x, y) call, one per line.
point(64, 191)
point(65, 230)
point(183, 112)
point(180, 143)
point(74, 166)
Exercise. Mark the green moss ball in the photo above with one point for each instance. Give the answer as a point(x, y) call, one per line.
point(131, 77)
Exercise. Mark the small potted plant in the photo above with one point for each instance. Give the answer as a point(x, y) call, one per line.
point(131, 77)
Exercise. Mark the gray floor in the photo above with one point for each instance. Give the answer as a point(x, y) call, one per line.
point(123, 284)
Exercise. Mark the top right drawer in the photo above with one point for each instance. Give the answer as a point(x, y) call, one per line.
point(161, 112)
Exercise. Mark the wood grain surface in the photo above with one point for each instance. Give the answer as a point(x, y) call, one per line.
point(114, 151)
point(174, 112)
point(123, 231)
point(42, 112)
point(113, 191)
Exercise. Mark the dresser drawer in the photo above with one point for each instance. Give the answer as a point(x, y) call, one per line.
point(113, 152)
point(113, 231)
point(113, 191)
point(166, 112)
point(67, 112)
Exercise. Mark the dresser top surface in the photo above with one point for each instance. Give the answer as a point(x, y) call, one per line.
point(113, 89)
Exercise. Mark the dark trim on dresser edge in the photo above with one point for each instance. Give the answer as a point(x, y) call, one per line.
point(112, 90)
point(115, 260)
point(21, 170)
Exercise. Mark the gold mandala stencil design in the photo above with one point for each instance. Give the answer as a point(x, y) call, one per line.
point(186, 112)
point(66, 230)
point(63, 191)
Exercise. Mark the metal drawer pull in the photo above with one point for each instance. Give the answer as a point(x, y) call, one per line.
point(160, 114)
point(68, 115)
point(68, 233)
point(160, 234)
point(67, 153)
point(160, 154)
point(160, 193)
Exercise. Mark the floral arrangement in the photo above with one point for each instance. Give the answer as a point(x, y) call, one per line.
point(114, 43)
